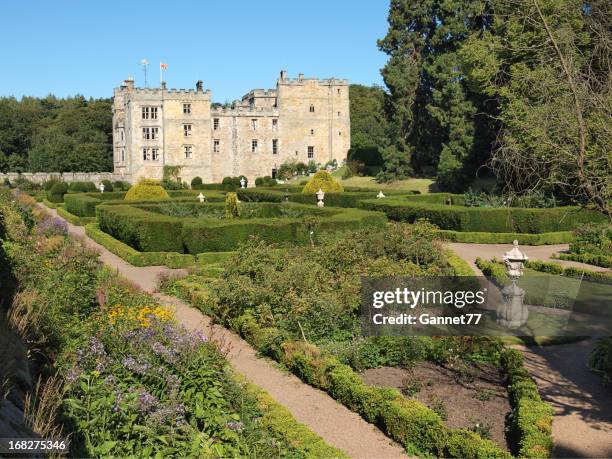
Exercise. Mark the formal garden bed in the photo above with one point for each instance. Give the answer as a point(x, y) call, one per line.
point(466, 395)
point(152, 228)
point(299, 306)
point(118, 375)
point(591, 244)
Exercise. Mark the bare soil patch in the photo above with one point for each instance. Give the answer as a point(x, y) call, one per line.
point(466, 395)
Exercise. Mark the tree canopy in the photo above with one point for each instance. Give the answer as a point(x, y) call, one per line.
point(55, 135)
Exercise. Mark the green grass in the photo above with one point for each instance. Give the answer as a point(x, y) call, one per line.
point(420, 184)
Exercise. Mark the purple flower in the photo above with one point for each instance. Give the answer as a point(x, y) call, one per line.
point(137, 367)
point(73, 374)
point(236, 426)
point(53, 226)
point(147, 402)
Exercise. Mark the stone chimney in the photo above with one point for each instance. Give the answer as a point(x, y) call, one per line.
point(163, 85)
point(301, 77)
point(199, 87)
point(283, 75)
point(129, 83)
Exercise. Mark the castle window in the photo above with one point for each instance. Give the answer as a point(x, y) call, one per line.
point(311, 108)
point(121, 134)
point(187, 130)
point(274, 146)
point(216, 145)
point(310, 152)
point(215, 123)
point(338, 91)
point(338, 114)
point(339, 132)
point(150, 133)
point(123, 155)
point(254, 124)
point(188, 150)
point(312, 132)
point(149, 113)
point(254, 146)
point(274, 124)
point(187, 109)
point(150, 154)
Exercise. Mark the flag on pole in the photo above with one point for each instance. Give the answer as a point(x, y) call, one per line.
point(163, 66)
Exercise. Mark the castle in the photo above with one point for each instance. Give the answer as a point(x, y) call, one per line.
point(303, 119)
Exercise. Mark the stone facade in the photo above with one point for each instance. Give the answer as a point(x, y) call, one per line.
point(302, 119)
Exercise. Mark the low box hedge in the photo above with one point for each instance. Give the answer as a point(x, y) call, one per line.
point(531, 418)
point(136, 258)
point(588, 258)
point(141, 228)
point(485, 219)
point(74, 219)
point(559, 237)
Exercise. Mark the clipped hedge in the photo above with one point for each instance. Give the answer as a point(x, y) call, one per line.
point(142, 230)
point(578, 273)
point(531, 418)
point(74, 219)
point(148, 231)
point(559, 237)
point(588, 258)
point(136, 258)
point(484, 219)
point(57, 191)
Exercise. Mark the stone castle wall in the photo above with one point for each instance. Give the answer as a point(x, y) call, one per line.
point(40, 177)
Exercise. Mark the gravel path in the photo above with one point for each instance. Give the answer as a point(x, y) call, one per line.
point(335, 423)
point(582, 425)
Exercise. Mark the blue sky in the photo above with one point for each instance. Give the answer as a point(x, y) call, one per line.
point(86, 47)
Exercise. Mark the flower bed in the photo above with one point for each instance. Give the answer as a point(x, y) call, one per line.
point(298, 307)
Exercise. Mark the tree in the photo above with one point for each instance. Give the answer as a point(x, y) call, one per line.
point(433, 114)
point(547, 63)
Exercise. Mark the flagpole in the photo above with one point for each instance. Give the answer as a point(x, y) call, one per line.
point(161, 73)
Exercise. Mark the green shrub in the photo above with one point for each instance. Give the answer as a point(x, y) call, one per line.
point(57, 192)
point(146, 190)
point(121, 185)
point(265, 181)
point(593, 239)
point(82, 187)
point(531, 418)
point(483, 219)
point(231, 206)
point(196, 183)
point(604, 261)
point(49, 183)
point(108, 186)
point(324, 181)
point(600, 359)
point(144, 231)
point(559, 237)
point(74, 219)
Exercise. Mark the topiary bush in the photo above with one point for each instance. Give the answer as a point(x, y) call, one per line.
point(196, 183)
point(82, 187)
point(265, 181)
point(120, 185)
point(146, 190)
point(57, 192)
point(324, 181)
point(108, 186)
point(231, 206)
